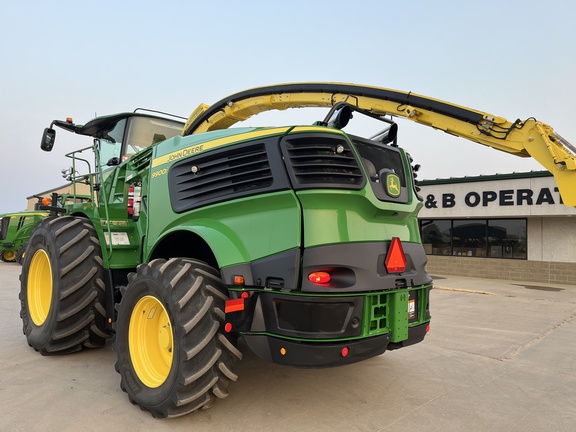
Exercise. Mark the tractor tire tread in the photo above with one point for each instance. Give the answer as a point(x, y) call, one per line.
point(203, 362)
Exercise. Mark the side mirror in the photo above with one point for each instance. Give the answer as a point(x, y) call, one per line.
point(48, 138)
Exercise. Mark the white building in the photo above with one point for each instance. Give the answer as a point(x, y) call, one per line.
point(506, 226)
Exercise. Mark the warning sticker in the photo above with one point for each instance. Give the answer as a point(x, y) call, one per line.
point(118, 238)
point(411, 309)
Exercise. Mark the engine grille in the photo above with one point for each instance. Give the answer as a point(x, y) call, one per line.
point(321, 161)
point(234, 172)
point(4, 223)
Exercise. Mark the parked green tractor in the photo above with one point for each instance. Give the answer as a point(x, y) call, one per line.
point(15, 230)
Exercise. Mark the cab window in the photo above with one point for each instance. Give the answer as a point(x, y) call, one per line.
point(111, 142)
point(145, 131)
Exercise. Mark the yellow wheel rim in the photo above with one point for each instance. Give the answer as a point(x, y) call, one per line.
point(9, 255)
point(150, 341)
point(39, 290)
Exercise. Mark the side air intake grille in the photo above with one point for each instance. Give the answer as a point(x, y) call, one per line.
point(141, 160)
point(319, 161)
point(221, 175)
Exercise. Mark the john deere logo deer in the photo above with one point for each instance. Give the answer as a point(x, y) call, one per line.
point(393, 185)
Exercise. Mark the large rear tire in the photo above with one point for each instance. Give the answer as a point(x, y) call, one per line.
point(172, 353)
point(62, 287)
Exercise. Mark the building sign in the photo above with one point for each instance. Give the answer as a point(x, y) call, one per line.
point(537, 196)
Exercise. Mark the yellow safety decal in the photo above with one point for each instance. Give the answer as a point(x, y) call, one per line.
point(315, 129)
point(198, 148)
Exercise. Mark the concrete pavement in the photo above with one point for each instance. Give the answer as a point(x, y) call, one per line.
point(501, 356)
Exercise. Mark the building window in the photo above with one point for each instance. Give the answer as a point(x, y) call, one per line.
point(507, 238)
point(469, 237)
point(436, 236)
point(494, 238)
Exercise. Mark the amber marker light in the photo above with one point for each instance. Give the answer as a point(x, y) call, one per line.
point(46, 201)
point(319, 277)
point(238, 280)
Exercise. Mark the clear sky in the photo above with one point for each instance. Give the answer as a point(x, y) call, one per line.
point(514, 59)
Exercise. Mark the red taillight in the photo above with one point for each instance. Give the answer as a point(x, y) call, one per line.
point(395, 259)
point(344, 351)
point(234, 305)
point(319, 277)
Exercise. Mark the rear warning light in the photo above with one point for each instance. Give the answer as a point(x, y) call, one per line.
point(319, 277)
point(235, 305)
point(395, 259)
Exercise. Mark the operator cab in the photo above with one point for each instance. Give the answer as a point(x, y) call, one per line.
point(129, 135)
point(120, 135)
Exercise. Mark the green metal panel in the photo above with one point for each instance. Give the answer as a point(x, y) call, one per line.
point(399, 315)
point(376, 310)
point(237, 231)
point(339, 216)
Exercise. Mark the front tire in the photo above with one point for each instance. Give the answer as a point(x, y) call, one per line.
point(62, 288)
point(8, 256)
point(21, 253)
point(172, 354)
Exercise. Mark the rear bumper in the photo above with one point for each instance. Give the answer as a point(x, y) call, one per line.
point(327, 354)
point(415, 334)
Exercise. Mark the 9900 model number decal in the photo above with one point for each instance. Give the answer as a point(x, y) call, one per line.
point(159, 172)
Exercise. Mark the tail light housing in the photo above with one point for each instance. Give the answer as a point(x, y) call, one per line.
point(319, 277)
